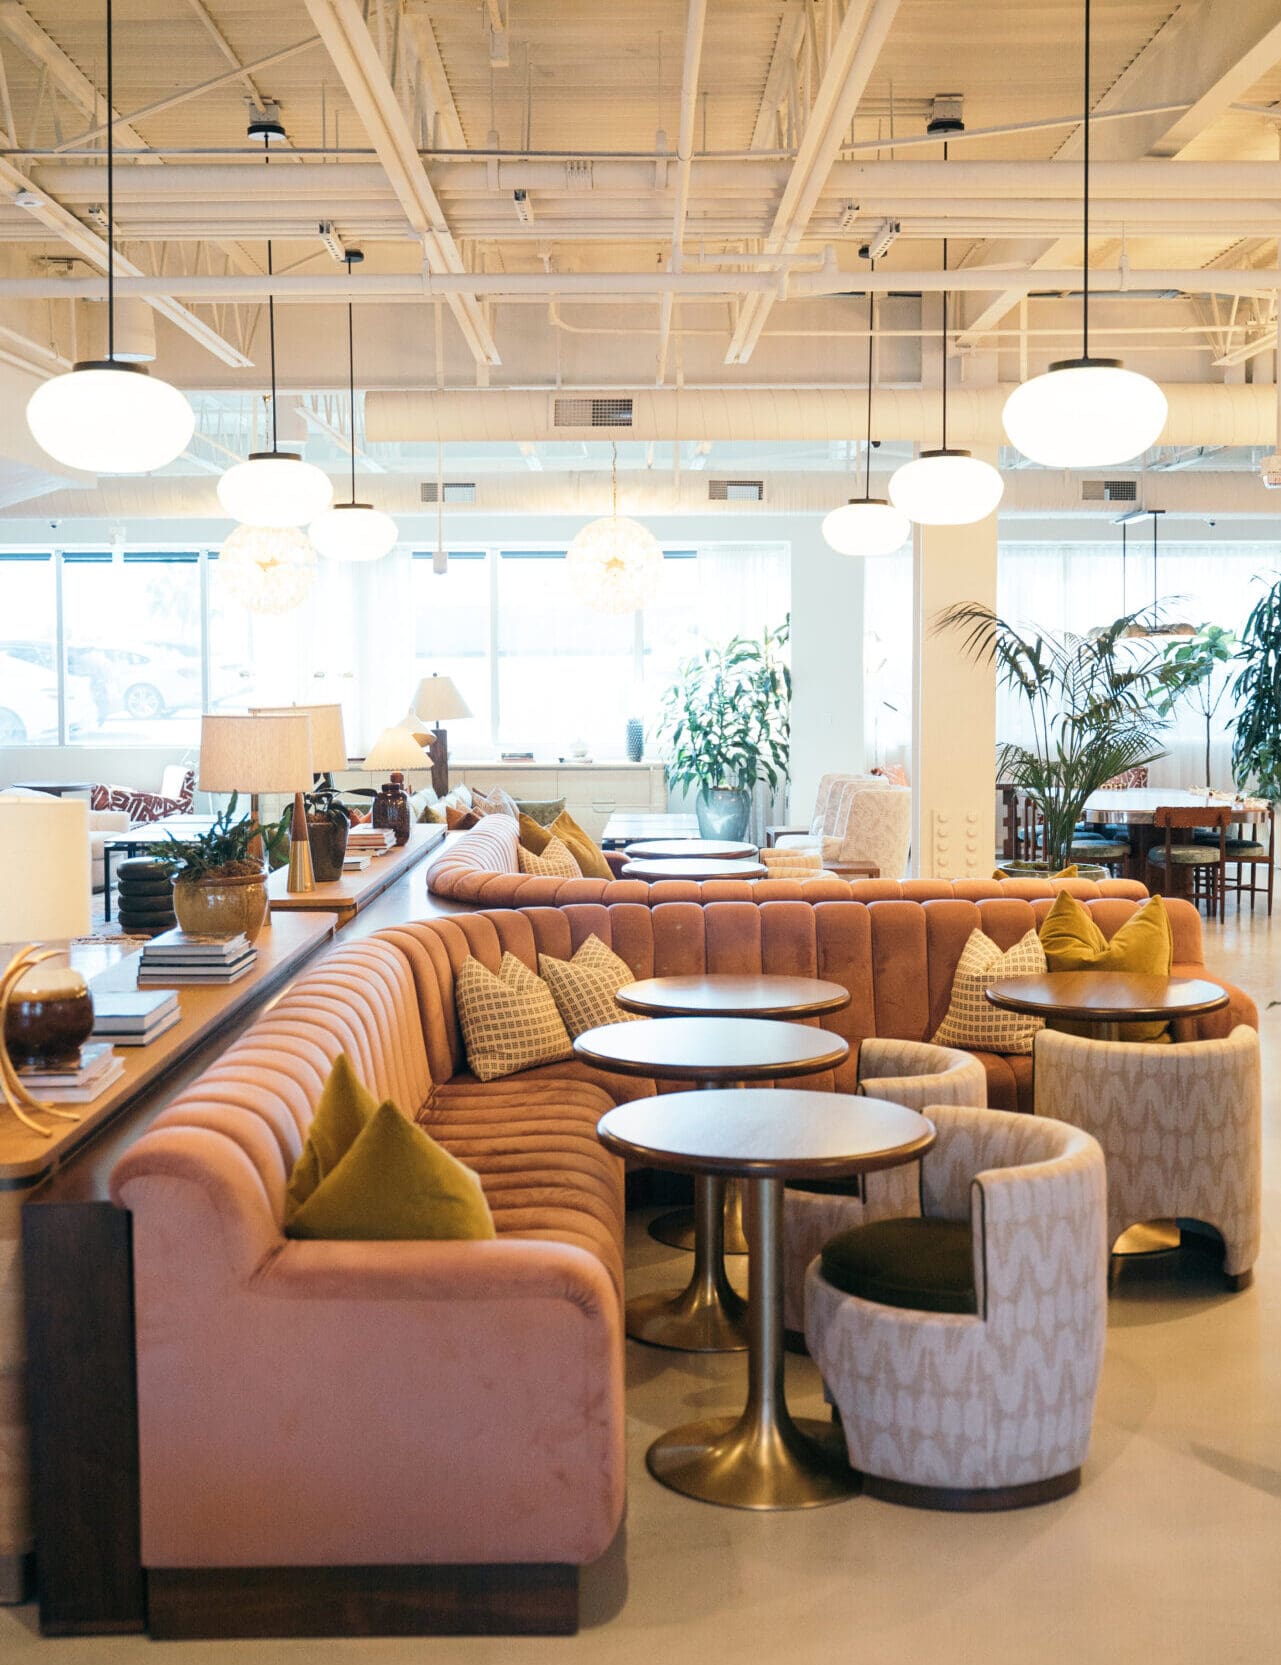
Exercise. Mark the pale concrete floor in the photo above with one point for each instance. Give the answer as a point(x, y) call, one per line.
point(1170, 1550)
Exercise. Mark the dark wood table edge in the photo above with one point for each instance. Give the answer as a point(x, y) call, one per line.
point(737, 1167)
point(1110, 1014)
point(733, 1069)
point(818, 1008)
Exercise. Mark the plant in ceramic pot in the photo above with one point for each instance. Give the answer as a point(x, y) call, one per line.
point(220, 876)
point(328, 821)
point(1092, 704)
point(724, 726)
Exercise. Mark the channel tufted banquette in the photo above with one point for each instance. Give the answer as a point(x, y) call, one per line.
point(482, 867)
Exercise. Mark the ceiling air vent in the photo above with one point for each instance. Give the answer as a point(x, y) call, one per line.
point(456, 491)
point(1109, 491)
point(736, 491)
point(592, 413)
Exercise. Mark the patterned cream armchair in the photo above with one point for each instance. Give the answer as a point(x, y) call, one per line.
point(1180, 1126)
point(864, 820)
point(910, 1073)
point(989, 1409)
point(827, 804)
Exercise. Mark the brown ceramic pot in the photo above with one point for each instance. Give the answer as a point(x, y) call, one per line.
point(328, 848)
point(47, 1026)
point(221, 905)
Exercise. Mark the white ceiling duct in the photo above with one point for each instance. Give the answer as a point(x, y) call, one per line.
point(1199, 415)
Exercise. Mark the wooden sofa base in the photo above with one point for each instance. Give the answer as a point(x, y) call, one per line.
point(204, 1603)
point(980, 1501)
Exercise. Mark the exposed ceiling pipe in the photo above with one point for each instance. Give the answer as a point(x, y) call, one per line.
point(829, 280)
point(1199, 414)
point(694, 21)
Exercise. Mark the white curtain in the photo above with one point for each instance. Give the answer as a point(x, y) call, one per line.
point(1076, 586)
point(887, 660)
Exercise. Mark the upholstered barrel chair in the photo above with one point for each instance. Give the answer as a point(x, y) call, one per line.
point(911, 1073)
point(989, 1409)
point(1180, 1126)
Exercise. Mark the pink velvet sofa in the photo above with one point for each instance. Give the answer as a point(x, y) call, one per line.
point(444, 1407)
point(482, 867)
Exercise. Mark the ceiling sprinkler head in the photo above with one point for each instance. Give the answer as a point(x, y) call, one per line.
point(265, 123)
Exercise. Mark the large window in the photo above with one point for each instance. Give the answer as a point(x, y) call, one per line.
point(131, 623)
point(28, 655)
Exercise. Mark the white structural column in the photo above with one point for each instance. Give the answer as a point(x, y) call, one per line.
point(954, 707)
point(827, 664)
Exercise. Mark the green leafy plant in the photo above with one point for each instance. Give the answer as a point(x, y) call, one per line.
point(1256, 740)
point(1093, 705)
point(725, 720)
point(1197, 674)
point(324, 804)
point(223, 851)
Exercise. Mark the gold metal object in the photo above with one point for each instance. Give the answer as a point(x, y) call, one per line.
point(764, 1459)
point(301, 875)
point(707, 1315)
point(1150, 1237)
point(676, 1227)
point(15, 1093)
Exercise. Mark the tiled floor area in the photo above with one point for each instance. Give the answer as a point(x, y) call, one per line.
point(1171, 1550)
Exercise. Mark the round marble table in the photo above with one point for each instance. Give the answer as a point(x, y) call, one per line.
point(691, 849)
point(763, 1459)
point(653, 871)
point(1106, 999)
point(707, 1315)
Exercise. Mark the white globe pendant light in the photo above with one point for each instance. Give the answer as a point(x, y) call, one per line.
point(274, 488)
point(1085, 412)
point(108, 416)
point(614, 564)
point(946, 487)
point(867, 525)
point(353, 531)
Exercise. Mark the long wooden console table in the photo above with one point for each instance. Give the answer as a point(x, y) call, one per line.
point(77, 1259)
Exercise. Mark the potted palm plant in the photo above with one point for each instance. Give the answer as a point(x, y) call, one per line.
point(1093, 705)
point(1256, 693)
point(724, 726)
point(220, 876)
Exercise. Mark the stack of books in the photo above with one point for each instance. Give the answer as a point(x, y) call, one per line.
point(134, 1018)
point(78, 1081)
point(176, 957)
point(356, 861)
point(367, 840)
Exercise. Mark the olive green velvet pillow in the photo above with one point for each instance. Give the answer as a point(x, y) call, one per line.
point(367, 1174)
point(542, 810)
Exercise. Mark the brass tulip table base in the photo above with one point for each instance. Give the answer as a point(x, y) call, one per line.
point(677, 1230)
point(1151, 1237)
point(708, 1314)
point(765, 1458)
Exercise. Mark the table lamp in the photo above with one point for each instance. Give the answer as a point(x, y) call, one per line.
point(435, 699)
point(46, 1012)
point(328, 740)
point(256, 754)
point(395, 750)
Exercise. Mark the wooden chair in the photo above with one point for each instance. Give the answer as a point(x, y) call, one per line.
point(1251, 849)
point(1111, 852)
point(1175, 861)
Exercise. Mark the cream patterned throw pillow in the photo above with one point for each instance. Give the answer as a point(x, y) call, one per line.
point(973, 1021)
point(509, 1022)
point(552, 862)
point(584, 987)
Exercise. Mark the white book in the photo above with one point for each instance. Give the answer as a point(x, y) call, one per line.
point(177, 975)
point(83, 1094)
point(144, 1037)
point(356, 864)
point(94, 1060)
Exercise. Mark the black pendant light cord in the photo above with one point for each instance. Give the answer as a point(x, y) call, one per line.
point(1085, 206)
point(1155, 602)
point(944, 333)
point(871, 337)
point(271, 335)
point(351, 383)
point(111, 198)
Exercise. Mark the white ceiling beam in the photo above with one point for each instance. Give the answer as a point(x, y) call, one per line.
point(432, 65)
point(41, 48)
point(787, 43)
point(855, 50)
point(1207, 54)
point(695, 19)
point(355, 57)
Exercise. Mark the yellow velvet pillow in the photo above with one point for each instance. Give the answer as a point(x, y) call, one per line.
point(585, 851)
point(1144, 945)
point(378, 1177)
point(533, 836)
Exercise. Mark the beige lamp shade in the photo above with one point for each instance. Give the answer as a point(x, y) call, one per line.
point(328, 742)
point(436, 700)
point(256, 754)
point(396, 748)
point(44, 869)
